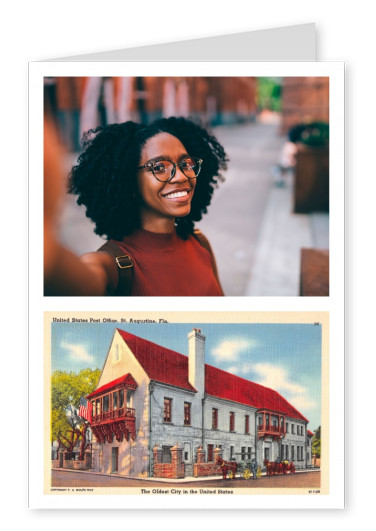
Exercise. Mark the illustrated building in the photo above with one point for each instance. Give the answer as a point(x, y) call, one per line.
point(149, 397)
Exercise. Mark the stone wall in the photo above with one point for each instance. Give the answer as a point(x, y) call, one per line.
point(173, 470)
point(75, 465)
point(206, 469)
point(63, 461)
point(203, 468)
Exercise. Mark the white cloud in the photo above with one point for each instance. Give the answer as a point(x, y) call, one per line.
point(77, 352)
point(245, 368)
point(277, 378)
point(230, 349)
point(303, 403)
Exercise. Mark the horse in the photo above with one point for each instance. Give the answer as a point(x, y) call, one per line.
point(228, 467)
point(271, 467)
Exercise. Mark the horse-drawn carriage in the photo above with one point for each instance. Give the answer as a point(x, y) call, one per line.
point(243, 468)
point(274, 468)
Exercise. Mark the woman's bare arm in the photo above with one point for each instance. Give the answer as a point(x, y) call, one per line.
point(64, 272)
point(90, 274)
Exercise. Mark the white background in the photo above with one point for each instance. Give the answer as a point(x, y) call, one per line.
point(43, 29)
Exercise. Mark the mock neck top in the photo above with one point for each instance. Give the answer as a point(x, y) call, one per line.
point(166, 265)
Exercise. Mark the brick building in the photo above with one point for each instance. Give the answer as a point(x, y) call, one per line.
point(304, 100)
point(97, 101)
point(215, 100)
point(154, 407)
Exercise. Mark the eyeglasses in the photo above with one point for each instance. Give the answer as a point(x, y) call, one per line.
point(165, 170)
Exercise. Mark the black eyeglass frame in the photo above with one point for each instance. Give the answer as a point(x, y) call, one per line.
point(150, 165)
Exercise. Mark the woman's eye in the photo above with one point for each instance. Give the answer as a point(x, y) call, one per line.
point(159, 167)
point(188, 164)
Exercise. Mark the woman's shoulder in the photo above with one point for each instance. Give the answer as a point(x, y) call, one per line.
point(120, 267)
point(202, 239)
point(204, 242)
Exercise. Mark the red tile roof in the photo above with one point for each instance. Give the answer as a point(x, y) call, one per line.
point(169, 367)
point(231, 387)
point(159, 363)
point(127, 379)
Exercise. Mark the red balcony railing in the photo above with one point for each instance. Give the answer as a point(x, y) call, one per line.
point(272, 430)
point(118, 423)
point(116, 414)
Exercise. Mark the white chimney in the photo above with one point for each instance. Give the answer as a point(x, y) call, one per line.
point(196, 360)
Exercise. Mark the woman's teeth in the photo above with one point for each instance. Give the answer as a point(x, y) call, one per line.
point(176, 194)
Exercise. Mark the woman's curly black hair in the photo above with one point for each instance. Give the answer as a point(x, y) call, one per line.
point(105, 176)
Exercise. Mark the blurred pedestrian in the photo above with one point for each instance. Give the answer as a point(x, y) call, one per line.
point(92, 105)
point(286, 164)
point(122, 98)
point(68, 100)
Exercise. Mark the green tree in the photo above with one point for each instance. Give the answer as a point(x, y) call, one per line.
point(67, 389)
point(269, 93)
point(316, 442)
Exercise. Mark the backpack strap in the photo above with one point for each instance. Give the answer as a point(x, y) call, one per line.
point(204, 242)
point(125, 264)
point(125, 268)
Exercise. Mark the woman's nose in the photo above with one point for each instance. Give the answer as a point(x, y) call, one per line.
point(178, 176)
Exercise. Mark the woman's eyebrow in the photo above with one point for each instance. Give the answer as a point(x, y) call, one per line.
point(166, 157)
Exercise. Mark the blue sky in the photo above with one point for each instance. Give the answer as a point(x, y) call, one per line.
point(284, 357)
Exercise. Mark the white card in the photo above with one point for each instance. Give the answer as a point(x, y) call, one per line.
point(266, 296)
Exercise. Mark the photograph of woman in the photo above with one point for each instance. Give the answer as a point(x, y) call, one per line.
point(153, 168)
point(144, 186)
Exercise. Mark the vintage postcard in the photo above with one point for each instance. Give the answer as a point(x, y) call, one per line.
point(185, 406)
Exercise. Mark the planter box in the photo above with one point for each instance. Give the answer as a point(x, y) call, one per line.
point(311, 186)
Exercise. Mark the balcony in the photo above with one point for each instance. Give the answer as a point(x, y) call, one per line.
point(119, 423)
point(267, 430)
point(110, 417)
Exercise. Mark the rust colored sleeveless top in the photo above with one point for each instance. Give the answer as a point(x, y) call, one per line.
point(166, 265)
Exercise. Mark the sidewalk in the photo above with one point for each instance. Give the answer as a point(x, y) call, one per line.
point(276, 266)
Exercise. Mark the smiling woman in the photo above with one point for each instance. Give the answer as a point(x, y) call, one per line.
point(166, 188)
point(144, 187)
